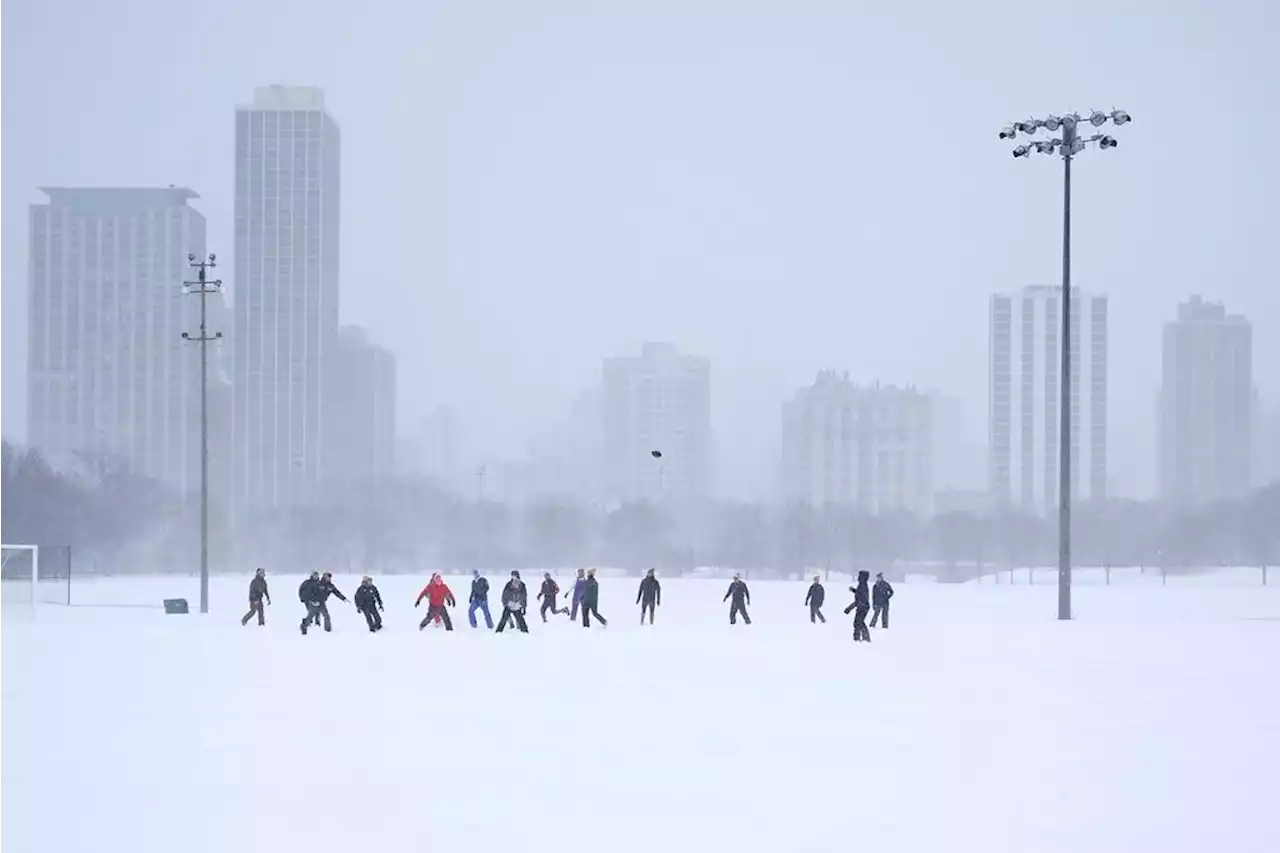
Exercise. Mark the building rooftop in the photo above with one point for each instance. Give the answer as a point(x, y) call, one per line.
point(280, 97)
point(118, 199)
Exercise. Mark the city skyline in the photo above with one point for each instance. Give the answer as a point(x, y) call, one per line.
point(499, 264)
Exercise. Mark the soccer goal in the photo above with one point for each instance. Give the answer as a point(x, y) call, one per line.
point(29, 578)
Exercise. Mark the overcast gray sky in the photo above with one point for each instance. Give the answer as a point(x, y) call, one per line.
point(780, 186)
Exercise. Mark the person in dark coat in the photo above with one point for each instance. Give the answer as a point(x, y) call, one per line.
point(741, 598)
point(814, 598)
point(515, 600)
point(591, 600)
point(579, 585)
point(881, 592)
point(550, 589)
point(861, 604)
point(649, 596)
point(369, 602)
point(479, 600)
point(257, 593)
point(307, 592)
point(318, 603)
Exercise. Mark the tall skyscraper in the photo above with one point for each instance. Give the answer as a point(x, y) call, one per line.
point(285, 291)
point(361, 416)
point(108, 372)
point(659, 400)
point(1023, 420)
point(867, 447)
point(1206, 405)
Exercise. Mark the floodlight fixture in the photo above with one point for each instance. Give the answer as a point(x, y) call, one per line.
point(1052, 123)
point(1021, 151)
point(1120, 117)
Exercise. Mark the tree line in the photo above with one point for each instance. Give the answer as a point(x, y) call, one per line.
point(122, 522)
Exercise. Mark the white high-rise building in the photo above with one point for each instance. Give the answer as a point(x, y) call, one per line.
point(285, 291)
point(1206, 405)
point(865, 447)
point(659, 400)
point(1024, 415)
point(361, 418)
point(108, 371)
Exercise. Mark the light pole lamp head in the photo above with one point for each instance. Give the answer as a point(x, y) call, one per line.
point(213, 259)
point(1021, 151)
point(1008, 133)
point(1052, 123)
point(1097, 118)
point(1105, 142)
point(1029, 126)
point(191, 257)
point(1120, 117)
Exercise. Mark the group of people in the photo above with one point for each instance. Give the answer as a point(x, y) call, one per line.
point(584, 597)
point(874, 598)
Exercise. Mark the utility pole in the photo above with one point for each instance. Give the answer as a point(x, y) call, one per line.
point(1068, 146)
point(202, 286)
point(480, 472)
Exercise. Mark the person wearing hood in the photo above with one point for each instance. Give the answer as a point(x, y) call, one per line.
point(515, 600)
point(550, 589)
point(368, 601)
point(437, 594)
point(816, 595)
point(741, 598)
point(649, 596)
point(479, 600)
point(579, 585)
point(257, 592)
point(591, 601)
point(318, 599)
point(881, 592)
point(861, 604)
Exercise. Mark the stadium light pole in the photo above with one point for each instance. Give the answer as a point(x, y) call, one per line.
point(202, 286)
point(1067, 146)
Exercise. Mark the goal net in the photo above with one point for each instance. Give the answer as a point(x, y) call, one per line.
point(31, 575)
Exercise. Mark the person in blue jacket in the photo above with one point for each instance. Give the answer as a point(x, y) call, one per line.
point(479, 600)
point(579, 587)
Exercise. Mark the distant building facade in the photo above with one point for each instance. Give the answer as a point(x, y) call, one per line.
point(657, 400)
point(287, 195)
point(108, 371)
point(1206, 405)
point(1025, 347)
point(865, 447)
point(361, 410)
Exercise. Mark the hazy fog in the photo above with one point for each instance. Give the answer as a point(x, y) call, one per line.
point(782, 187)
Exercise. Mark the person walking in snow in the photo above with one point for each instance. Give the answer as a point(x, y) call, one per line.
point(515, 600)
point(741, 598)
point(550, 589)
point(579, 584)
point(649, 595)
point(881, 592)
point(257, 593)
point(861, 604)
point(369, 602)
point(479, 600)
point(317, 600)
point(816, 595)
point(437, 594)
point(591, 600)
point(306, 590)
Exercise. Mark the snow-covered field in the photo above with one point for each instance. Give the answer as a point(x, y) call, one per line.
point(978, 722)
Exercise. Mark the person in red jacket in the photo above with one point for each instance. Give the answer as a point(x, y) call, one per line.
point(437, 594)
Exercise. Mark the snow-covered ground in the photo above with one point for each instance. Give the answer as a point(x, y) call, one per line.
point(978, 722)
